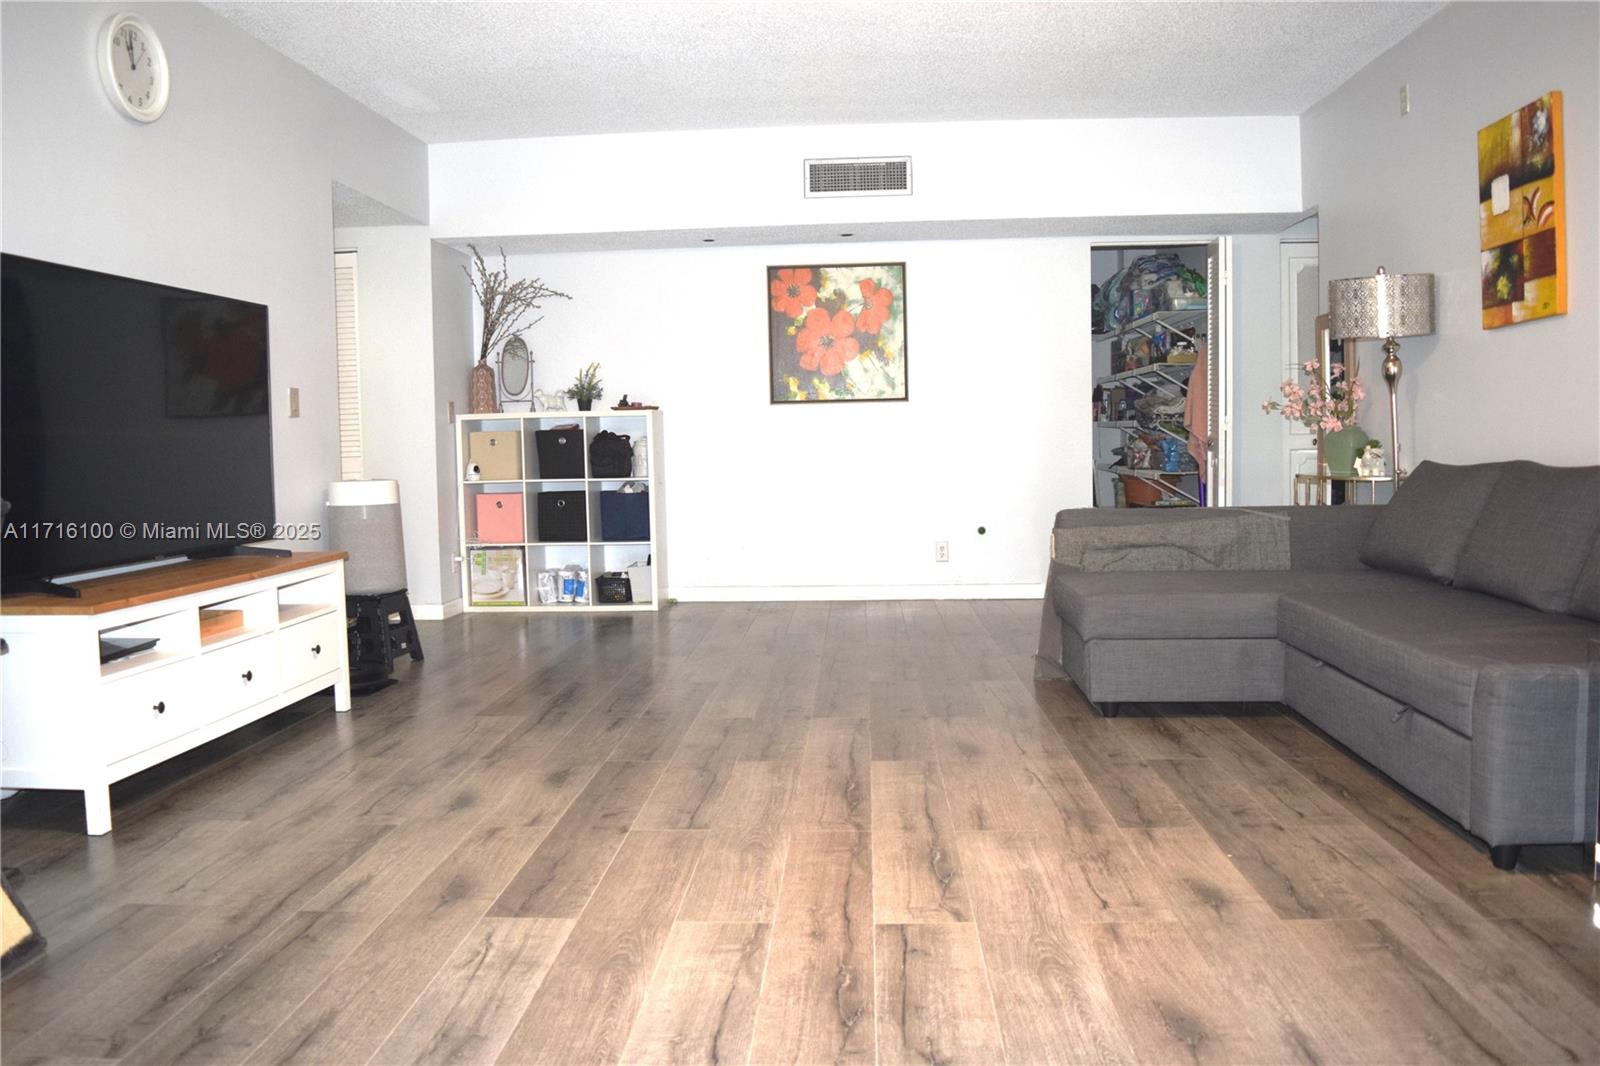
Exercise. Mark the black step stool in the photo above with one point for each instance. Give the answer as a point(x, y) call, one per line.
point(381, 627)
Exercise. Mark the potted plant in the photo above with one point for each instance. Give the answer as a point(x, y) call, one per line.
point(586, 388)
point(505, 303)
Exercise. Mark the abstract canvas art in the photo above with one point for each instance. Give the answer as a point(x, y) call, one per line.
point(837, 332)
point(1522, 215)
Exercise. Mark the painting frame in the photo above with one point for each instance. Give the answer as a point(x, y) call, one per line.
point(1522, 216)
point(851, 316)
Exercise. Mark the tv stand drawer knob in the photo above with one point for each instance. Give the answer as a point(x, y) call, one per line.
point(161, 707)
point(316, 649)
point(248, 675)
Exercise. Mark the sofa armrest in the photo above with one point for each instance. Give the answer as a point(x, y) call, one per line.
point(1533, 752)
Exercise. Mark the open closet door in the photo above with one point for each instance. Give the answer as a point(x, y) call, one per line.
point(1219, 372)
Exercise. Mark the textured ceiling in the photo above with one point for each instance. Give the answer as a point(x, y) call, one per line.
point(473, 71)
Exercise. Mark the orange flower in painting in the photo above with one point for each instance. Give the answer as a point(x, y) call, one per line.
point(793, 292)
point(876, 310)
point(826, 343)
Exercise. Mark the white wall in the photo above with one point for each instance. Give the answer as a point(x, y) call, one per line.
point(230, 192)
point(1401, 191)
point(844, 499)
point(960, 171)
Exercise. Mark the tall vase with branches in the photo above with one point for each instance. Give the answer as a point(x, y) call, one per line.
point(505, 304)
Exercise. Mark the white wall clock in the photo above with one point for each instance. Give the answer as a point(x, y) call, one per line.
point(133, 67)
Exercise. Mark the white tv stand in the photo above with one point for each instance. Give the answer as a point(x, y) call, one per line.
point(70, 722)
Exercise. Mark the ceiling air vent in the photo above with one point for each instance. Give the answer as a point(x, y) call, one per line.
point(878, 176)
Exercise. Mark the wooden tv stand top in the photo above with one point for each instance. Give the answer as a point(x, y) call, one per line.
point(102, 594)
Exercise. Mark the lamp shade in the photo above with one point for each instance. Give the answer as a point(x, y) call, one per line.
point(1381, 306)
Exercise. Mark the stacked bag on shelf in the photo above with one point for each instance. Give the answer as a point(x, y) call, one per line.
point(1155, 282)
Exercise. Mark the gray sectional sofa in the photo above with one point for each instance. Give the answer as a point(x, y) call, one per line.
point(1451, 637)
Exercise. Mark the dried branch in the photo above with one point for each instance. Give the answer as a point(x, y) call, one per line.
point(505, 303)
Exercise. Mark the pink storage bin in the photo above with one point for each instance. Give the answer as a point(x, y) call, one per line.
point(500, 518)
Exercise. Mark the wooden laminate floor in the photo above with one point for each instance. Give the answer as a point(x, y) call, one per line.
point(781, 833)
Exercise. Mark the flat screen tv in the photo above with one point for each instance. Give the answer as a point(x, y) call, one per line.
point(135, 421)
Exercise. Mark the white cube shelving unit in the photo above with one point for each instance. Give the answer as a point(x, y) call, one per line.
point(594, 552)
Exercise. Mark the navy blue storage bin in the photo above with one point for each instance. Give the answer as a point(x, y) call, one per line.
point(624, 516)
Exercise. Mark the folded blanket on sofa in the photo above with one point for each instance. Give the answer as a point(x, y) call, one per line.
point(1238, 541)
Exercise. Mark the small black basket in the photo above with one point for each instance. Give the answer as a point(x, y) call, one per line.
point(563, 516)
point(613, 587)
point(560, 453)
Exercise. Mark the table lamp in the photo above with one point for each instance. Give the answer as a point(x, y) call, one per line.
point(1383, 307)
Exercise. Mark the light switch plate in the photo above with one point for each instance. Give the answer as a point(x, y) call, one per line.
point(294, 402)
point(450, 410)
point(1405, 99)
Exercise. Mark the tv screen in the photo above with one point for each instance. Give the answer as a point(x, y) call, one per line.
point(135, 421)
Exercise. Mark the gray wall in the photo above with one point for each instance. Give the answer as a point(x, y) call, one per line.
point(229, 192)
point(1258, 439)
point(454, 343)
point(415, 328)
point(1401, 191)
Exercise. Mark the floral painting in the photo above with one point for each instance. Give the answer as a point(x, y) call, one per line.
point(837, 332)
point(1522, 215)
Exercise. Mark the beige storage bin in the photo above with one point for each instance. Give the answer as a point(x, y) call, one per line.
point(498, 454)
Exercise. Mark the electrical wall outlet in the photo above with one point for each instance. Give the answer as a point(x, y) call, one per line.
point(294, 402)
point(941, 551)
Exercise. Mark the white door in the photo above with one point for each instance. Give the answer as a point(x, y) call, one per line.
point(1301, 294)
point(1219, 371)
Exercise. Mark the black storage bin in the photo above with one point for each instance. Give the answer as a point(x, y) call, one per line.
point(560, 453)
point(562, 516)
point(624, 516)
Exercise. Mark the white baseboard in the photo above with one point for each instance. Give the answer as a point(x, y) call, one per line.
point(435, 612)
point(784, 593)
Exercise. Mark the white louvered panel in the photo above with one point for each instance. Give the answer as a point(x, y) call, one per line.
point(351, 461)
point(877, 176)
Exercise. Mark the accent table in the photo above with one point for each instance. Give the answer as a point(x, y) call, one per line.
point(1313, 489)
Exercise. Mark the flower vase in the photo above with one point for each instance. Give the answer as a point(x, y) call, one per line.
point(482, 397)
point(1340, 448)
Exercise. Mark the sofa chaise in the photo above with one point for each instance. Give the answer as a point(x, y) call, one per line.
point(1451, 637)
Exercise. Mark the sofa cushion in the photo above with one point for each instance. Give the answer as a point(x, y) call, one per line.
point(1422, 643)
point(1176, 604)
point(1586, 594)
point(1238, 540)
point(1424, 528)
point(1534, 535)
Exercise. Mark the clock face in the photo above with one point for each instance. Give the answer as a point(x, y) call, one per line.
point(133, 67)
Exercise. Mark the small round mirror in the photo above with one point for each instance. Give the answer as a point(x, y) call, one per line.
point(515, 367)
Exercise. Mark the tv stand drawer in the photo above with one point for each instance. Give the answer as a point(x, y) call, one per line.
point(141, 712)
point(312, 648)
point(239, 675)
